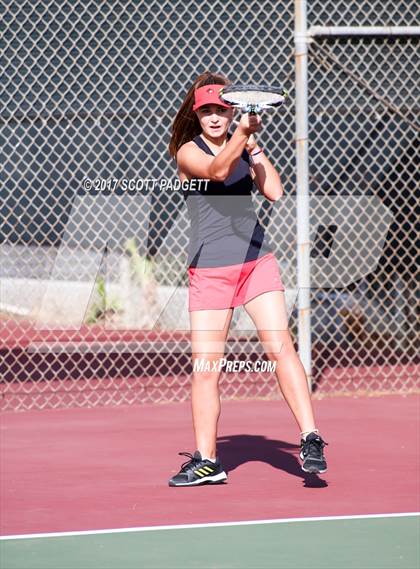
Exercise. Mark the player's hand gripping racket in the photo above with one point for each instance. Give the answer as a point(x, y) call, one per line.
point(252, 98)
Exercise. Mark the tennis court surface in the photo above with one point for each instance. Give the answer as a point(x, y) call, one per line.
point(88, 488)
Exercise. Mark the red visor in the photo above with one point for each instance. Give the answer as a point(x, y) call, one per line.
point(208, 95)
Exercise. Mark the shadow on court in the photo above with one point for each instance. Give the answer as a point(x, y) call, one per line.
point(236, 450)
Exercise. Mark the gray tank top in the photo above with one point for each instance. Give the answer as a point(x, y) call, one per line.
point(224, 226)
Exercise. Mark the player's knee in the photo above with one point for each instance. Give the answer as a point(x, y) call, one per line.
point(275, 351)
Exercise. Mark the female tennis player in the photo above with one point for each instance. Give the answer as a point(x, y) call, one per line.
point(230, 263)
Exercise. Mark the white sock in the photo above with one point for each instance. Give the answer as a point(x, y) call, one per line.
point(207, 458)
point(304, 434)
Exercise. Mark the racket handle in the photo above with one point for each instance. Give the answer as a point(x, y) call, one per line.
point(253, 109)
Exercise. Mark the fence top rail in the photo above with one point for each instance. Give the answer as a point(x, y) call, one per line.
point(339, 31)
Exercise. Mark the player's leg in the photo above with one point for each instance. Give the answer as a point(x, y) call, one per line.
point(269, 314)
point(209, 330)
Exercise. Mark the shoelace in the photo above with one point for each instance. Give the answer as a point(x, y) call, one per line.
point(189, 464)
point(314, 446)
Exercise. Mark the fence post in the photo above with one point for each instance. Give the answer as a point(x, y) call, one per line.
point(302, 182)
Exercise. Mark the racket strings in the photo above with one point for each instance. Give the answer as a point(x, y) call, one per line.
point(253, 98)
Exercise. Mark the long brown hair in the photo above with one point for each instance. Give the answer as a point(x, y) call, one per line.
point(186, 124)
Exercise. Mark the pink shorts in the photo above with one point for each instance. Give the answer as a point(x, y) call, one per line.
point(215, 288)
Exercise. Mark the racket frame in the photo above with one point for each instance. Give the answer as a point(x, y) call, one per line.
point(254, 108)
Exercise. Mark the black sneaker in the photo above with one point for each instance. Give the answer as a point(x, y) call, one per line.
point(197, 471)
point(312, 454)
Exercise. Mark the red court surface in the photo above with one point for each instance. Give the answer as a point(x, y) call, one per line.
point(87, 469)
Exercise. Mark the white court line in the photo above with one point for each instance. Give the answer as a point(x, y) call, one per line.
point(209, 525)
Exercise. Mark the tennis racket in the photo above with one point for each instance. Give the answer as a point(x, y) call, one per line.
point(252, 98)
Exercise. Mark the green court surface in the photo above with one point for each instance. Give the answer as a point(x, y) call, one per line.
point(366, 542)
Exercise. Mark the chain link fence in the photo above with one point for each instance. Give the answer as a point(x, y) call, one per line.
point(93, 307)
point(363, 134)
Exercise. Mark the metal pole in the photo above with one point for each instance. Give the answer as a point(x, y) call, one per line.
point(302, 182)
point(363, 31)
